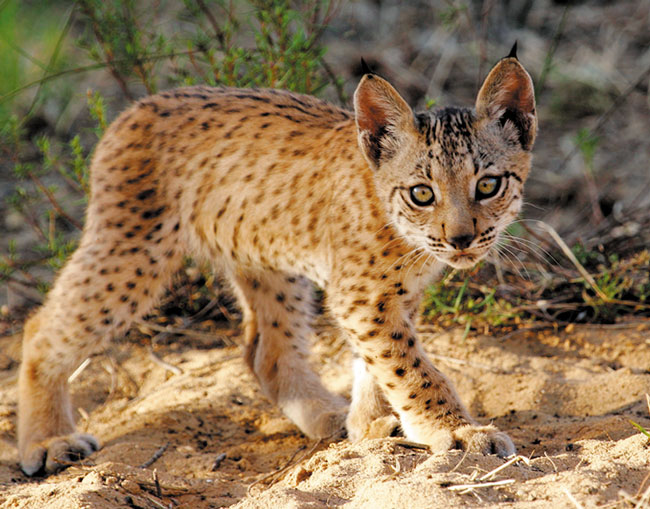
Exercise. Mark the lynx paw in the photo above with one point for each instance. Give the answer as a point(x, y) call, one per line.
point(57, 453)
point(484, 439)
point(381, 427)
point(330, 425)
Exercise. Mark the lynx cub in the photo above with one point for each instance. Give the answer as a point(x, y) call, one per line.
point(278, 190)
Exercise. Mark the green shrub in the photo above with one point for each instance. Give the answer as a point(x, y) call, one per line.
point(144, 46)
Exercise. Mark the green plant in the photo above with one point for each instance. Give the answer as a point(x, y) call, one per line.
point(265, 43)
point(587, 143)
point(585, 256)
point(430, 102)
point(522, 293)
point(457, 300)
point(641, 428)
point(450, 16)
point(638, 426)
point(286, 53)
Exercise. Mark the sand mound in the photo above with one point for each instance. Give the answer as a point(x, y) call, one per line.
point(207, 438)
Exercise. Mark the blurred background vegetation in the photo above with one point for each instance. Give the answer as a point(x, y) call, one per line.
point(580, 251)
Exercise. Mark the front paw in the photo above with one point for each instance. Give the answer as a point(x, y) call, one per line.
point(470, 437)
point(57, 453)
point(483, 439)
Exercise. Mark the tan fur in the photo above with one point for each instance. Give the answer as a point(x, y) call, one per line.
point(273, 188)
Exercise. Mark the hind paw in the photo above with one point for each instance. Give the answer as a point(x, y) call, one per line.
point(57, 453)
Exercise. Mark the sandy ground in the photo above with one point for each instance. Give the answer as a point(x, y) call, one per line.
point(208, 438)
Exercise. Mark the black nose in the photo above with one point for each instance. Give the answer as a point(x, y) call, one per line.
point(462, 241)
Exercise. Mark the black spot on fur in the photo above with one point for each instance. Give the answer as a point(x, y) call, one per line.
point(143, 195)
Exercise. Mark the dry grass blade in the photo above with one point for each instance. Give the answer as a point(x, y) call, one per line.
point(163, 364)
point(457, 466)
point(274, 475)
point(551, 461)
point(155, 502)
point(569, 254)
point(79, 370)
point(466, 488)
point(572, 499)
point(223, 334)
point(511, 461)
point(643, 502)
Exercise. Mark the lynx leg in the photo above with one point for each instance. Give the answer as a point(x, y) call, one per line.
point(277, 316)
point(429, 409)
point(102, 289)
point(370, 414)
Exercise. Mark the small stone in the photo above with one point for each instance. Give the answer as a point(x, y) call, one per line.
point(131, 486)
point(303, 475)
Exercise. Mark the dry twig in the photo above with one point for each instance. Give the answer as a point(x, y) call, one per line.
point(412, 445)
point(163, 364)
point(156, 456)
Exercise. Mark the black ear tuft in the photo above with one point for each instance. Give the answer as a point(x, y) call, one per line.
point(507, 95)
point(383, 119)
point(365, 68)
point(513, 51)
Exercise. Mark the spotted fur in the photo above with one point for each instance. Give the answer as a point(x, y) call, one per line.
point(274, 189)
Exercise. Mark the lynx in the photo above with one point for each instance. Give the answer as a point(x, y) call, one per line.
point(279, 191)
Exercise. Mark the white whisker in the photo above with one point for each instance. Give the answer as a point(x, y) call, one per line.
point(531, 247)
point(504, 257)
point(511, 256)
point(415, 261)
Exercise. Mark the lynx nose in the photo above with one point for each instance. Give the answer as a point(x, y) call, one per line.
point(462, 241)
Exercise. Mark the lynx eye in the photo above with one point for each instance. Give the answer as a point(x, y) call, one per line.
point(422, 195)
point(487, 187)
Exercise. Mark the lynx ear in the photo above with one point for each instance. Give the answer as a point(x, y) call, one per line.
point(507, 95)
point(382, 118)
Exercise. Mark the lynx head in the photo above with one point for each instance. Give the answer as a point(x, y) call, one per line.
point(451, 180)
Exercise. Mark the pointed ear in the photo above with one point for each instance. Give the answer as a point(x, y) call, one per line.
point(382, 116)
point(507, 95)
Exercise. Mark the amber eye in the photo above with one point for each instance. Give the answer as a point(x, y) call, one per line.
point(422, 195)
point(487, 187)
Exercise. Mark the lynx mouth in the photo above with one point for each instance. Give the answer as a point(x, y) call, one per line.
point(462, 260)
